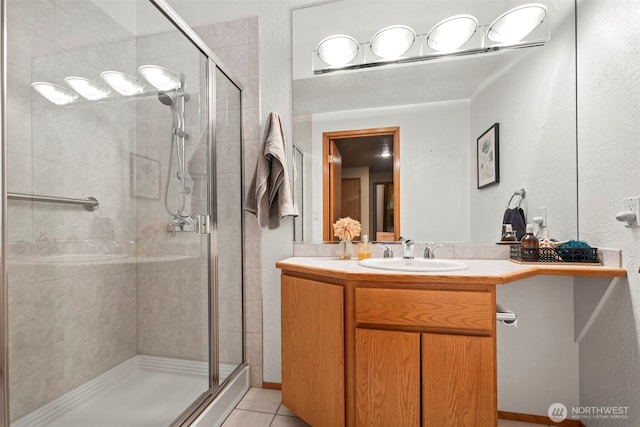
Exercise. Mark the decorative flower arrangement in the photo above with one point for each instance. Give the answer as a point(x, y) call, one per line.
point(346, 228)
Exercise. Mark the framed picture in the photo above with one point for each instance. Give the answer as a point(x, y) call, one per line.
point(145, 177)
point(488, 157)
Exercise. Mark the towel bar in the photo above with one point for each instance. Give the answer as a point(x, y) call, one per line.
point(521, 193)
point(89, 203)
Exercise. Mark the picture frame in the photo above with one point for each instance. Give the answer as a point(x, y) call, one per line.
point(145, 177)
point(488, 157)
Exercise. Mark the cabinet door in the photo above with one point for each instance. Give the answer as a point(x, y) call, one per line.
point(313, 351)
point(458, 381)
point(387, 378)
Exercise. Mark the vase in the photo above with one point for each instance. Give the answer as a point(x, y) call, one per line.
point(344, 249)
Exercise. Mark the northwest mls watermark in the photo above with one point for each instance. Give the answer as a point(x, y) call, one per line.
point(558, 412)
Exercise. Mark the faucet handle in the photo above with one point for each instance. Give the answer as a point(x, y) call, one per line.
point(430, 250)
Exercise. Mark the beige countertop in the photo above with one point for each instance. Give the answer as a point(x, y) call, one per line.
point(479, 271)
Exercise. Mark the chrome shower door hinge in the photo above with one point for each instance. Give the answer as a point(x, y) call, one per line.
point(203, 224)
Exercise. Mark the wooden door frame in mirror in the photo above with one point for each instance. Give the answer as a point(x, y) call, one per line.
point(327, 232)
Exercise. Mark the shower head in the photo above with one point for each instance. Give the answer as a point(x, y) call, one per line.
point(165, 98)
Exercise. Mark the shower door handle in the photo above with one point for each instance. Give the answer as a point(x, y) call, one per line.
point(203, 224)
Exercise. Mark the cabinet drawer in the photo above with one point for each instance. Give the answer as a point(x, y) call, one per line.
point(467, 310)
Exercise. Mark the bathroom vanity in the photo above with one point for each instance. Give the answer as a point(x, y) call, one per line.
point(365, 347)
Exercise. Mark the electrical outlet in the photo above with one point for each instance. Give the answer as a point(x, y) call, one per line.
point(543, 213)
point(632, 204)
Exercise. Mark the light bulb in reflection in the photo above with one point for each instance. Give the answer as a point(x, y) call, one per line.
point(122, 83)
point(451, 33)
point(392, 42)
point(57, 94)
point(161, 78)
point(515, 24)
point(88, 89)
point(338, 50)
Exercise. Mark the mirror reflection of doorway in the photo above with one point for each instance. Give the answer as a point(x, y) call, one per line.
point(384, 212)
point(361, 179)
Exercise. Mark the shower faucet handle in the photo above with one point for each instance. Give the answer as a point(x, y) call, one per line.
point(179, 223)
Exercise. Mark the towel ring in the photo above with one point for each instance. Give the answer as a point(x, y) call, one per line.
point(520, 193)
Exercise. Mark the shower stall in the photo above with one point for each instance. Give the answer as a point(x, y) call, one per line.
point(122, 234)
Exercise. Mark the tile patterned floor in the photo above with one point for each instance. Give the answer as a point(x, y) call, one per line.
point(264, 408)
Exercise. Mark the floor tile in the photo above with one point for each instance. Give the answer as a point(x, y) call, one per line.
point(241, 418)
point(261, 400)
point(285, 421)
point(285, 411)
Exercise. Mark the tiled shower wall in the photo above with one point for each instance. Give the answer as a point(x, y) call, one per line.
point(236, 43)
point(72, 321)
point(68, 322)
point(172, 269)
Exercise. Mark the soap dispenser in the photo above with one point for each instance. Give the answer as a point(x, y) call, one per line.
point(364, 248)
point(508, 235)
point(530, 246)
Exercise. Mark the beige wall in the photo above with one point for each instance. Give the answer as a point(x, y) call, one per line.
point(609, 150)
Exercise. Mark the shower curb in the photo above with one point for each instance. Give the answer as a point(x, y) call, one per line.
point(49, 412)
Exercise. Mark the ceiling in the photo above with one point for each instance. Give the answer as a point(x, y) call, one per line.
point(365, 151)
point(431, 81)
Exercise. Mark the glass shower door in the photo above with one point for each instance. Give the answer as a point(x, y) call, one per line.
point(109, 320)
point(228, 200)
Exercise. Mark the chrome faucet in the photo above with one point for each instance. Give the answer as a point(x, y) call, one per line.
point(388, 253)
point(430, 250)
point(407, 248)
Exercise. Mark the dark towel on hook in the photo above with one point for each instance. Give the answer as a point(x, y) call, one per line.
point(515, 217)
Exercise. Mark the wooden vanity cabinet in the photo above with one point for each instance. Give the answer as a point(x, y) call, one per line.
point(451, 376)
point(410, 354)
point(313, 351)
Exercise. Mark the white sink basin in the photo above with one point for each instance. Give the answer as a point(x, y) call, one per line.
point(416, 264)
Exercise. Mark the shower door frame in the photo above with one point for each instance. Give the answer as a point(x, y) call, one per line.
point(4, 278)
point(213, 65)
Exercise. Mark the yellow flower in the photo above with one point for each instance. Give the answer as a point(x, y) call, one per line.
point(346, 228)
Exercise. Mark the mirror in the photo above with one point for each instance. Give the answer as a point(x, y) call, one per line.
point(441, 107)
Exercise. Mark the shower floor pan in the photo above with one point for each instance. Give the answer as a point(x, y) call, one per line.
point(144, 390)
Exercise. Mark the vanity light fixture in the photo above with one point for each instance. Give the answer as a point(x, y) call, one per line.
point(87, 88)
point(57, 94)
point(515, 24)
point(161, 78)
point(392, 42)
point(453, 36)
point(448, 35)
point(122, 83)
point(338, 50)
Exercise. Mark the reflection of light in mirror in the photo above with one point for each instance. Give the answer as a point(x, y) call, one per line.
point(392, 42)
point(514, 25)
point(386, 152)
point(122, 83)
point(88, 89)
point(338, 50)
point(161, 78)
point(451, 33)
point(57, 94)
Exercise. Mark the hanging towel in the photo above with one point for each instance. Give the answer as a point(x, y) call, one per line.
point(269, 197)
point(515, 217)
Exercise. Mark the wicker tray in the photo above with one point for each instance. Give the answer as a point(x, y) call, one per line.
point(554, 255)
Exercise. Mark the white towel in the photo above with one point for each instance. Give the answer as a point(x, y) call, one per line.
point(269, 197)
